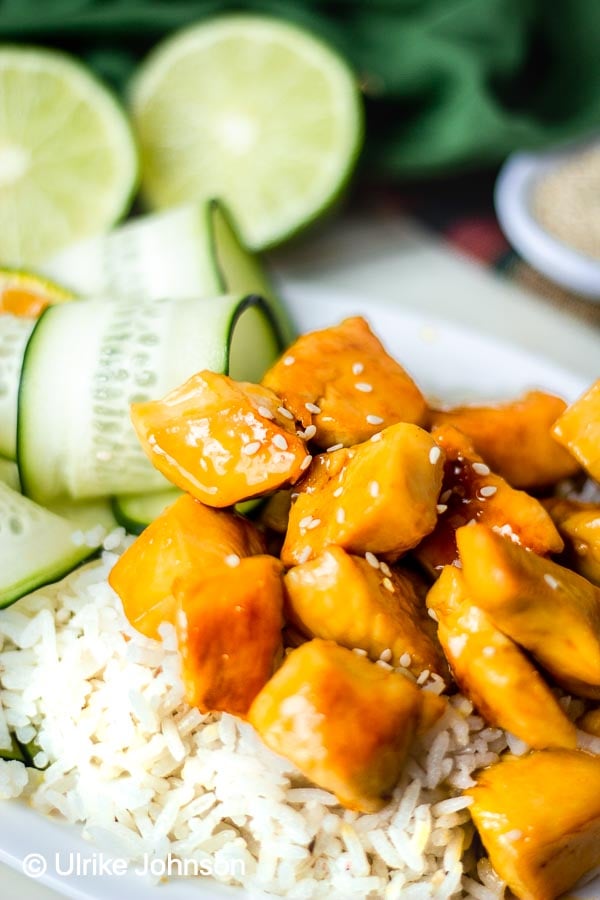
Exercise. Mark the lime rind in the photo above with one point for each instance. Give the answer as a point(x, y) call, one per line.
point(164, 92)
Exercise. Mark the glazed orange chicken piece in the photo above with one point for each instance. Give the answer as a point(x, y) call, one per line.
point(344, 721)
point(539, 819)
point(222, 441)
point(550, 611)
point(379, 496)
point(579, 526)
point(515, 439)
point(578, 429)
point(493, 672)
point(229, 629)
point(472, 493)
point(357, 603)
point(187, 538)
point(342, 386)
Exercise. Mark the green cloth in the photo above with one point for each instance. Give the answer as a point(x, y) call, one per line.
point(449, 83)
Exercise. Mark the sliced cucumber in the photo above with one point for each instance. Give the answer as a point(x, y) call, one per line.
point(136, 511)
point(14, 334)
point(9, 474)
point(87, 514)
point(36, 546)
point(189, 251)
point(15, 753)
point(87, 362)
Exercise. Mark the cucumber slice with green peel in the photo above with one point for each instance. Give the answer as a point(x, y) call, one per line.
point(87, 514)
point(36, 546)
point(14, 334)
point(9, 474)
point(136, 511)
point(87, 362)
point(190, 251)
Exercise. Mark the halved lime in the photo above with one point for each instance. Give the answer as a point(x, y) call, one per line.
point(253, 110)
point(26, 295)
point(68, 163)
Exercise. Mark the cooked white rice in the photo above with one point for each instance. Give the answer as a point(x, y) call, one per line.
point(148, 777)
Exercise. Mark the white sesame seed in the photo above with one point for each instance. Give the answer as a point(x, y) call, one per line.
point(305, 463)
point(551, 581)
point(285, 412)
point(288, 360)
point(232, 560)
point(340, 516)
point(386, 655)
point(385, 568)
point(372, 559)
point(374, 420)
point(309, 432)
point(480, 468)
point(383, 664)
point(388, 585)
point(357, 368)
point(314, 524)
point(280, 442)
point(457, 564)
point(313, 408)
point(374, 488)
point(326, 418)
point(305, 522)
point(359, 651)
point(441, 508)
point(376, 437)
point(488, 490)
point(251, 448)
point(334, 447)
point(405, 660)
point(434, 455)
point(432, 614)
point(303, 555)
point(364, 387)
point(265, 412)
point(338, 492)
point(423, 676)
point(294, 495)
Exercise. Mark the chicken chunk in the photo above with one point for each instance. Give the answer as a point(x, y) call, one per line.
point(342, 386)
point(472, 493)
point(578, 429)
point(379, 496)
point(539, 819)
point(345, 722)
point(547, 609)
point(579, 526)
point(493, 672)
point(187, 538)
point(353, 601)
point(514, 438)
point(229, 630)
point(221, 440)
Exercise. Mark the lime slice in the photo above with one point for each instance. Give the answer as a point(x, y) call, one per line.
point(252, 110)
point(68, 163)
point(25, 295)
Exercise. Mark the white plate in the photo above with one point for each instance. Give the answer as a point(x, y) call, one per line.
point(447, 360)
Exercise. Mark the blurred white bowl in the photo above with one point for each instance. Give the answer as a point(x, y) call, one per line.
point(550, 256)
